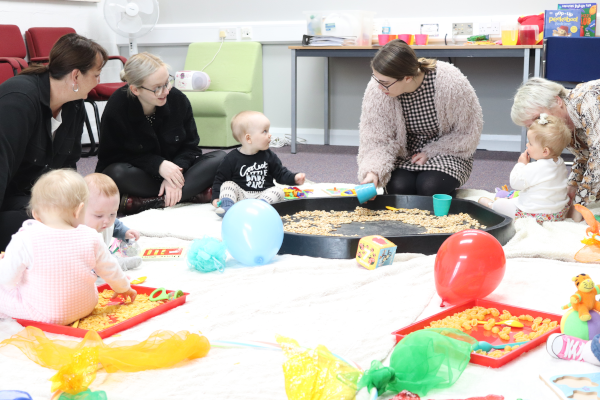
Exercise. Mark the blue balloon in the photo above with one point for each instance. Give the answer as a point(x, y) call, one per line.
point(252, 231)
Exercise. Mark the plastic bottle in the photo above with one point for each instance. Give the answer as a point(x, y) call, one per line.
point(129, 248)
point(386, 30)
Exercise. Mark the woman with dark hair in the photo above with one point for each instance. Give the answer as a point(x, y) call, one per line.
point(41, 121)
point(149, 141)
point(420, 124)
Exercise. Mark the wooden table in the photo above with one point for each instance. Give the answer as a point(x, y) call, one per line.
point(429, 51)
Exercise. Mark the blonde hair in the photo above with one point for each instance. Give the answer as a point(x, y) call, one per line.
point(240, 123)
point(551, 132)
point(534, 95)
point(61, 190)
point(103, 184)
point(139, 67)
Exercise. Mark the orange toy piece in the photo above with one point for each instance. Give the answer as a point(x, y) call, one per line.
point(585, 299)
point(591, 251)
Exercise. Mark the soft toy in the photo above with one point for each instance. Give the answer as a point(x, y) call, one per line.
point(591, 251)
point(504, 193)
point(533, 20)
point(585, 299)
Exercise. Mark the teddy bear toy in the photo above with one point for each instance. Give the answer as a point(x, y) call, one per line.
point(584, 299)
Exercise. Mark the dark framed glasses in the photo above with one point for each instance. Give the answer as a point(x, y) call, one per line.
point(159, 90)
point(387, 87)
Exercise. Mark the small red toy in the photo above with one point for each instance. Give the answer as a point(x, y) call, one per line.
point(406, 395)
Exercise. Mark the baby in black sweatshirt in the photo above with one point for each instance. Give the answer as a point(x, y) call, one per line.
point(247, 172)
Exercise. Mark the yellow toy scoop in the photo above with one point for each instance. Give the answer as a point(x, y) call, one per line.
point(392, 208)
point(509, 322)
point(138, 280)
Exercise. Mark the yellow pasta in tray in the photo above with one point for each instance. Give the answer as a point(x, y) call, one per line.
point(103, 317)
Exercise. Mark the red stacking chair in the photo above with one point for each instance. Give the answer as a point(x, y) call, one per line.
point(39, 44)
point(12, 52)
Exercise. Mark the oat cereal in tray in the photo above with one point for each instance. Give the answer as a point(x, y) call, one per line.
point(467, 321)
point(105, 315)
point(325, 223)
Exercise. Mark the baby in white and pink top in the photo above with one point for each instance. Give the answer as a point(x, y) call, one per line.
point(47, 273)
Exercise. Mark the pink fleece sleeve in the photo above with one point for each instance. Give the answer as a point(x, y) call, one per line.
point(108, 268)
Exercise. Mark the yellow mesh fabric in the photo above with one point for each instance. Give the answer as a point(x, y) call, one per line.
point(77, 362)
point(316, 374)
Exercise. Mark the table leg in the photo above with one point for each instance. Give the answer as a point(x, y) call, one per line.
point(536, 71)
point(525, 79)
point(294, 99)
point(326, 102)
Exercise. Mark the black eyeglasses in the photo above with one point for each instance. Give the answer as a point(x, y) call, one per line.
point(159, 90)
point(387, 87)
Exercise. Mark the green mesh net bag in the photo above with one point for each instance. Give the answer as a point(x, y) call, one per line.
point(424, 360)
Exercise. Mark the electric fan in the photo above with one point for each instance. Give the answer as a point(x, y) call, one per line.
point(131, 19)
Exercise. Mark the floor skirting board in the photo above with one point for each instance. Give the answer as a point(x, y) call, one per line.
point(349, 137)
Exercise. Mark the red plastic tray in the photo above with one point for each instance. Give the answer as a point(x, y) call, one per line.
point(121, 326)
point(488, 336)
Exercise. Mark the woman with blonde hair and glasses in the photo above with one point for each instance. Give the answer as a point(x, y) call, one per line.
point(420, 124)
point(149, 142)
point(579, 109)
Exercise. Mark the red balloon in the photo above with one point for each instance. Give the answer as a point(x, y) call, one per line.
point(469, 265)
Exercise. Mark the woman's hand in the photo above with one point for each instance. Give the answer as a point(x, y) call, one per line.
point(172, 194)
point(300, 178)
point(172, 173)
point(131, 293)
point(215, 203)
point(370, 178)
point(419, 159)
point(132, 234)
point(524, 158)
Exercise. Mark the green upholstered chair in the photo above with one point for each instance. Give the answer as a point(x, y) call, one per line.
point(236, 85)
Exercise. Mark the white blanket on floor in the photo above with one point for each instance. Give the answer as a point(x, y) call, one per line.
point(350, 310)
point(553, 240)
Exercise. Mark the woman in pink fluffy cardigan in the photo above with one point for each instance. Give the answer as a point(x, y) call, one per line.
point(420, 124)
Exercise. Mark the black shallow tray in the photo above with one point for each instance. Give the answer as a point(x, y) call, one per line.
point(405, 236)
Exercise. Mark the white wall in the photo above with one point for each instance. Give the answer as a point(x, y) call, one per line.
point(278, 24)
point(86, 18)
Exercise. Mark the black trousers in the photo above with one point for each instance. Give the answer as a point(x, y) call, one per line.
point(12, 215)
point(135, 182)
point(422, 183)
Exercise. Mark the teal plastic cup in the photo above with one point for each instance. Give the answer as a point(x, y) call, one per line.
point(441, 204)
point(365, 192)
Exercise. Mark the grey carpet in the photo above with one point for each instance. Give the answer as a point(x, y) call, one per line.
point(491, 169)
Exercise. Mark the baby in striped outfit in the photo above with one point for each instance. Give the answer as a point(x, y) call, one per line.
point(46, 274)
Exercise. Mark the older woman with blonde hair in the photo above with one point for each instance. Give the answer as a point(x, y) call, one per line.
point(579, 109)
point(420, 124)
point(149, 141)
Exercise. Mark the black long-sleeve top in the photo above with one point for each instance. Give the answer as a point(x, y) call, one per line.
point(253, 173)
point(26, 147)
point(126, 136)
